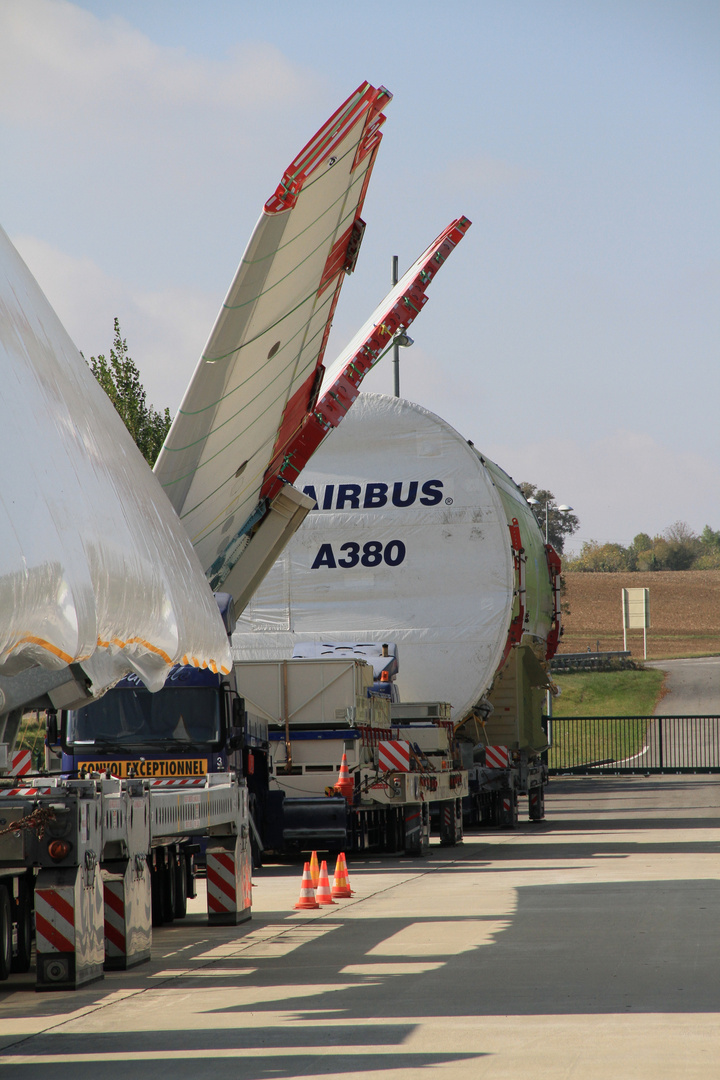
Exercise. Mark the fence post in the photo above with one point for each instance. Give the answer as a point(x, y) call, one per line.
point(660, 740)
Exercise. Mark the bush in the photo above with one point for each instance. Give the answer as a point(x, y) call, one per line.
point(678, 549)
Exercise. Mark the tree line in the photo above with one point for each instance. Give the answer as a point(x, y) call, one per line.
point(678, 548)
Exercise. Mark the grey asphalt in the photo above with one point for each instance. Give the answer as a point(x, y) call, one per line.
point(692, 690)
point(581, 948)
point(692, 686)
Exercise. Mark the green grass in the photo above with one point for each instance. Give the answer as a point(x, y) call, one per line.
point(608, 693)
point(603, 694)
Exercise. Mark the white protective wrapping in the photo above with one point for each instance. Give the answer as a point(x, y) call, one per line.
point(447, 605)
point(95, 566)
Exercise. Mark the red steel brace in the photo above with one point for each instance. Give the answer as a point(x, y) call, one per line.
point(554, 568)
point(516, 626)
point(366, 99)
point(292, 454)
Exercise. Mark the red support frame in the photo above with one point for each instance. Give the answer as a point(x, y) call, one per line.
point(294, 449)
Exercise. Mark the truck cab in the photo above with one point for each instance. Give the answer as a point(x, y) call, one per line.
point(192, 727)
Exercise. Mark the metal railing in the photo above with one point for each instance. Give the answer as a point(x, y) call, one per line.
point(589, 660)
point(589, 745)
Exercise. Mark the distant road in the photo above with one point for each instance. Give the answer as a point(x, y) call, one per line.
point(693, 687)
point(694, 691)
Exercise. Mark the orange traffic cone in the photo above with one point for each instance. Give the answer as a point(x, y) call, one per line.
point(323, 894)
point(307, 899)
point(341, 884)
point(314, 869)
point(345, 784)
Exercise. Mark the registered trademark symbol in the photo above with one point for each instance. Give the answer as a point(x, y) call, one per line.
point(448, 502)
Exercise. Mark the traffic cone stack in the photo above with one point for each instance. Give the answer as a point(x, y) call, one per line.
point(341, 883)
point(314, 869)
point(345, 784)
point(323, 894)
point(307, 901)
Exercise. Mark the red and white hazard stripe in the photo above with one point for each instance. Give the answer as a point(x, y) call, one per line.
point(222, 889)
point(20, 763)
point(114, 899)
point(55, 920)
point(184, 781)
point(394, 754)
point(8, 793)
point(497, 757)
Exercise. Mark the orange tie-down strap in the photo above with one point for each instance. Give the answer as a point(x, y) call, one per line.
point(188, 661)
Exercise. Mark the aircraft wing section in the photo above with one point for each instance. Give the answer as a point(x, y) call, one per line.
point(261, 369)
point(341, 381)
point(97, 576)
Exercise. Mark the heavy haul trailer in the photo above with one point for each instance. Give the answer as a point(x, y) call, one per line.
point(131, 736)
point(323, 710)
point(418, 539)
point(82, 856)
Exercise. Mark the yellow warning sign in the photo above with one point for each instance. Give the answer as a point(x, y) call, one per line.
point(152, 770)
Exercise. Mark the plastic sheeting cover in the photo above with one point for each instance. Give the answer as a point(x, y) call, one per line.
point(409, 544)
point(95, 566)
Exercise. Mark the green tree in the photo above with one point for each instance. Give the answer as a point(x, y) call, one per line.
point(642, 542)
point(560, 525)
point(710, 538)
point(599, 558)
point(684, 546)
point(120, 379)
point(709, 558)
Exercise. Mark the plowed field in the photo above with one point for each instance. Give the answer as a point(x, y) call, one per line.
point(684, 613)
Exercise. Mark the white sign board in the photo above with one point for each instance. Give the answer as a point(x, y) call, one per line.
point(636, 609)
point(636, 614)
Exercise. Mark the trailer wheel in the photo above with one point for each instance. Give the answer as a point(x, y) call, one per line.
point(508, 808)
point(169, 890)
point(5, 933)
point(157, 879)
point(23, 913)
point(536, 800)
point(396, 830)
point(180, 870)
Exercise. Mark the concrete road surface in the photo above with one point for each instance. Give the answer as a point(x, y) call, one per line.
point(583, 948)
point(693, 686)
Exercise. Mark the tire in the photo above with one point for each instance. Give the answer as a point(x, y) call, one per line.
point(536, 799)
point(5, 933)
point(508, 817)
point(23, 917)
point(158, 894)
point(170, 891)
point(179, 869)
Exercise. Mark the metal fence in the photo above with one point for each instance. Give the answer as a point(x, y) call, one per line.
point(593, 661)
point(633, 744)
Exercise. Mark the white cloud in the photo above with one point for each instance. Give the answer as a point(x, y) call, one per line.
point(165, 330)
point(145, 137)
point(58, 60)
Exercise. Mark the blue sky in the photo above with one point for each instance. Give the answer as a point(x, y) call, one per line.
point(573, 336)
